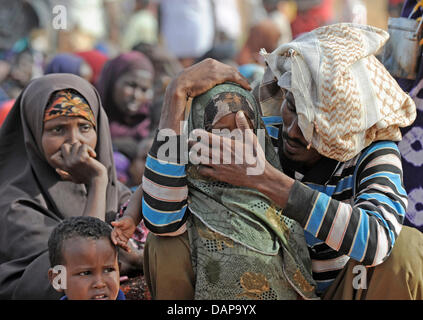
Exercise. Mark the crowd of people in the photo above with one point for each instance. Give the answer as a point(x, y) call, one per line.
point(87, 89)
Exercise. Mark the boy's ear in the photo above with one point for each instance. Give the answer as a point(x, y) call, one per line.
point(51, 276)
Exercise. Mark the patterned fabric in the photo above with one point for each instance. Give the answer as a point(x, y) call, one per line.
point(242, 245)
point(69, 104)
point(334, 75)
point(223, 104)
point(411, 146)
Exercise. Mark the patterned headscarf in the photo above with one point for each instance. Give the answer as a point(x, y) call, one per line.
point(345, 98)
point(68, 103)
point(223, 104)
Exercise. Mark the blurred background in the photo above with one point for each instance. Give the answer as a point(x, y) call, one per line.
point(131, 49)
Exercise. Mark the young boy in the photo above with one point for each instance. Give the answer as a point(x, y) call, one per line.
point(84, 261)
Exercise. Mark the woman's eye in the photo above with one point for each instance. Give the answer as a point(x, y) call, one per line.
point(57, 129)
point(85, 127)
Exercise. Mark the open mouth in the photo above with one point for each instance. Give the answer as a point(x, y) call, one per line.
point(100, 297)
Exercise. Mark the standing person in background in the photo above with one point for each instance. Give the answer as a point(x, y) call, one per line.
point(311, 14)
point(277, 11)
point(187, 28)
point(142, 26)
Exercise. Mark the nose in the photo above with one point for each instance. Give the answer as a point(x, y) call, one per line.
point(294, 131)
point(73, 136)
point(99, 282)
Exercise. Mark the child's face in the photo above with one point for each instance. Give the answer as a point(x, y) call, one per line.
point(92, 269)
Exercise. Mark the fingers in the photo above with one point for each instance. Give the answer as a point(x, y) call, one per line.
point(241, 121)
point(119, 239)
point(64, 175)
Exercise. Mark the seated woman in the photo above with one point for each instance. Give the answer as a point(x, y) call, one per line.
point(126, 90)
point(241, 246)
point(56, 162)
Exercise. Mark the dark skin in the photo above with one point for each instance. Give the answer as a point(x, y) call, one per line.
point(200, 78)
point(125, 227)
point(92, 271)
point(68, 144)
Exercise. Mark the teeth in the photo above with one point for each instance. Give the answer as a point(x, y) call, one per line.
point(99, 297)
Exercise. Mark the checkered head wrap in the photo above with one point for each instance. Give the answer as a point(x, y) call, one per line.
point(345, 98)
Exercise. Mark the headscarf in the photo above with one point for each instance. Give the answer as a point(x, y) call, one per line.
point(345, 98)
point(68, 103)
point(114, 69)
point(241, 244)
point(96, 61)
point(34, 199)
point(64, 63)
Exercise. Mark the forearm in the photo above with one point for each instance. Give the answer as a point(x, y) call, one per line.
point(165, 192)
point(96, 200)
point(133, 209)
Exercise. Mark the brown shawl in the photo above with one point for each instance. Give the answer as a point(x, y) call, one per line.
point(33, 197)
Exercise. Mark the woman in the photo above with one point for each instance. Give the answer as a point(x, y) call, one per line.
point(240, 245)
point(55, 162)
point(126, 90)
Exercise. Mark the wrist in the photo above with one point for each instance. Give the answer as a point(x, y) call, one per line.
point(276, 185)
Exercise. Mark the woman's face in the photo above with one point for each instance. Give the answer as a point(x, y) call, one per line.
point(133, 89)
point(69, 130)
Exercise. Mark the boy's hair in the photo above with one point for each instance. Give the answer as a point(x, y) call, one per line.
point(83, 227)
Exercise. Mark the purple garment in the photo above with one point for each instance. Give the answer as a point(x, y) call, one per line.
point(411, 146)
point(113, 69)
point(65, 63)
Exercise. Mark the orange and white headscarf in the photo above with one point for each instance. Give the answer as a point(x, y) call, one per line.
point(345, 98)
point(69, 103)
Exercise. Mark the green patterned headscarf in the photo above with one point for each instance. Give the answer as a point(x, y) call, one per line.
point(242, 247)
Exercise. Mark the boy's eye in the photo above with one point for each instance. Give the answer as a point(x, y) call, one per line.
point(108, 270)
point(84, 273)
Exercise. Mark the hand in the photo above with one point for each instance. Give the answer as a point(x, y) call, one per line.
point(193, 82)
point(248, 160)
point(123, 230)
point(76, 162)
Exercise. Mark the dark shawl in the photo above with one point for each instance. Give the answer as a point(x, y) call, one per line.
point(64, 63)
point(33, 197)
point(112, 71)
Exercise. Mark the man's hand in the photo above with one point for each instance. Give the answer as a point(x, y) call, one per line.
point(123, 230)
point(247, 158)
point(193, 82)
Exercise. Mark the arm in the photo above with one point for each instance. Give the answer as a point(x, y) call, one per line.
point(77, 163)
point(165, 191)
point(365, 230)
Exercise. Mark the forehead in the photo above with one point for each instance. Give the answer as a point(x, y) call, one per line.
point(136, 75)
point(78, 250)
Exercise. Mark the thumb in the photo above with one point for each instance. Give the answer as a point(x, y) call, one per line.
point(241, 121)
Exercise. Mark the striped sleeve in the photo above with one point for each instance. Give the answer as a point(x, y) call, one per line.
point(165, 192)
point(366, 228)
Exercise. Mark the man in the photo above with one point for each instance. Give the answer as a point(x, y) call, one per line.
point(341, 179)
